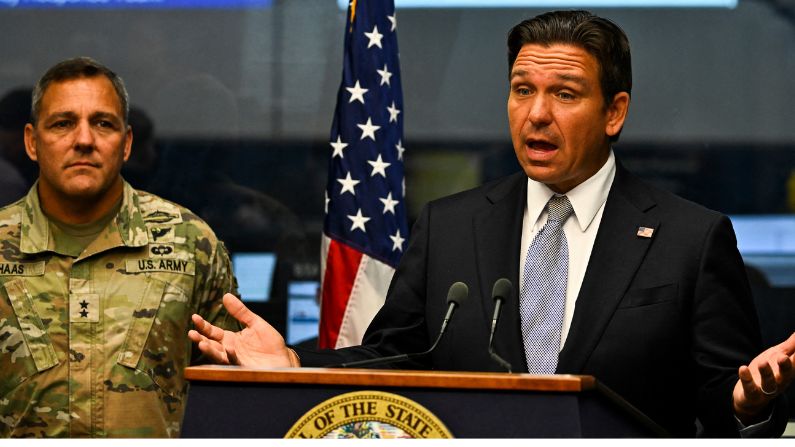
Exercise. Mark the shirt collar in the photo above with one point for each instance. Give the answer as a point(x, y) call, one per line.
point(586, 198)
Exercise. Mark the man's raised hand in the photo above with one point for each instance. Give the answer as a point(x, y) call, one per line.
point(765, 378)
point(258, 344)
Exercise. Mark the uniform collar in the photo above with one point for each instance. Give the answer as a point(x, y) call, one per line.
point(130, 221)
point(126, 229)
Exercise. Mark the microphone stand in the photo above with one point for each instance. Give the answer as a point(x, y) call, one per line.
point(501, 290)
point(455, 296)
point(393, 358)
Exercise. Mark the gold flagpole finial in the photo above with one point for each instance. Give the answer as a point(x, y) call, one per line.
point(353, 12)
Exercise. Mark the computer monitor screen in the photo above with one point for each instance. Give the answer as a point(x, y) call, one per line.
point(254, 273)
point(767, 243)
point(303, 312)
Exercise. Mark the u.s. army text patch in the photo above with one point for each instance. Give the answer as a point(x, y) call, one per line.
point(161, 265)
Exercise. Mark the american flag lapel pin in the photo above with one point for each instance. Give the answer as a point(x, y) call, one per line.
point(645, 232)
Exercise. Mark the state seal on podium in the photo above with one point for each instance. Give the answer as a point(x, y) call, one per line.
point(369, 414)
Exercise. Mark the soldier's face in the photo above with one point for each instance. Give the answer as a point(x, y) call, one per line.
point(80, 140)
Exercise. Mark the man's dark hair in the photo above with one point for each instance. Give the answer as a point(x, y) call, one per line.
point(76, 68)
point(600, 37)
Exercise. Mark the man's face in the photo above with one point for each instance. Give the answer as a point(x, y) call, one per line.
point(560, 125)
point(80, 140)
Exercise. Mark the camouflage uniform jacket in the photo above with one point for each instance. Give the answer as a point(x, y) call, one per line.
point(96, 345)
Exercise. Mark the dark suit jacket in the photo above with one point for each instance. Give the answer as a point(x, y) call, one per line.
point(664, 321)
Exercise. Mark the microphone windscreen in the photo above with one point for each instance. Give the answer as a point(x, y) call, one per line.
point(458, 293)
point(502, 289)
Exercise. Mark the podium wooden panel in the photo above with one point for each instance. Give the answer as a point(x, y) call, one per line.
point(232, 402)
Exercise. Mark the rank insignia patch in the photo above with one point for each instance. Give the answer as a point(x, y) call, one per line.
point(83, 308)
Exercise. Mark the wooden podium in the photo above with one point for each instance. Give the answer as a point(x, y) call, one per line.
point(235, 402)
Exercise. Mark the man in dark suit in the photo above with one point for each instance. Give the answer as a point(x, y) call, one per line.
point(616, 279)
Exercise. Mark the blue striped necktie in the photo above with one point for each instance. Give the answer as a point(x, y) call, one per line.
point(543, 294)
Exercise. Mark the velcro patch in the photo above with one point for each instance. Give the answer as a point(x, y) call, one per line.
point(83, 308)
point(163, 217)
point(161, 265)
point(161, 234)
point(22, 268)
point(161, 250)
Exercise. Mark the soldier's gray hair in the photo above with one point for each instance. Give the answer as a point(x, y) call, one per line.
point(75, 68)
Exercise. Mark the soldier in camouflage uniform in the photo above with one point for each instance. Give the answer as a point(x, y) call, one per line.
point(97, 280)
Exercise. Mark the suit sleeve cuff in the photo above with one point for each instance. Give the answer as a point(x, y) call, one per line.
point(750, 431)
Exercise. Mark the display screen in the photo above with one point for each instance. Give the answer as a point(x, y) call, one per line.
point(303, 312)
point(254, 273)
point(767, 243)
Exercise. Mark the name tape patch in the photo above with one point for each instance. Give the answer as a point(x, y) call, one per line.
point(22, 268)
point(161, 265)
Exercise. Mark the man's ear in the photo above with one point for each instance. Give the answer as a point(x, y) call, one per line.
point(30, 142)
point(617, 113)
point(128, 143)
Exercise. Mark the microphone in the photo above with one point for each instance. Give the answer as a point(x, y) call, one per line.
point(501, 291)
point(456, 295)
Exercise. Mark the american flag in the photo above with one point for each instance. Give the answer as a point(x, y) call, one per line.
point(365, 228)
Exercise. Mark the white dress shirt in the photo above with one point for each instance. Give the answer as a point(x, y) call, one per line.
point(588, 201)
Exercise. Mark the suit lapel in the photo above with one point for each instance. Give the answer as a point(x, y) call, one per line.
point(617, 253)
point(497, 236)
